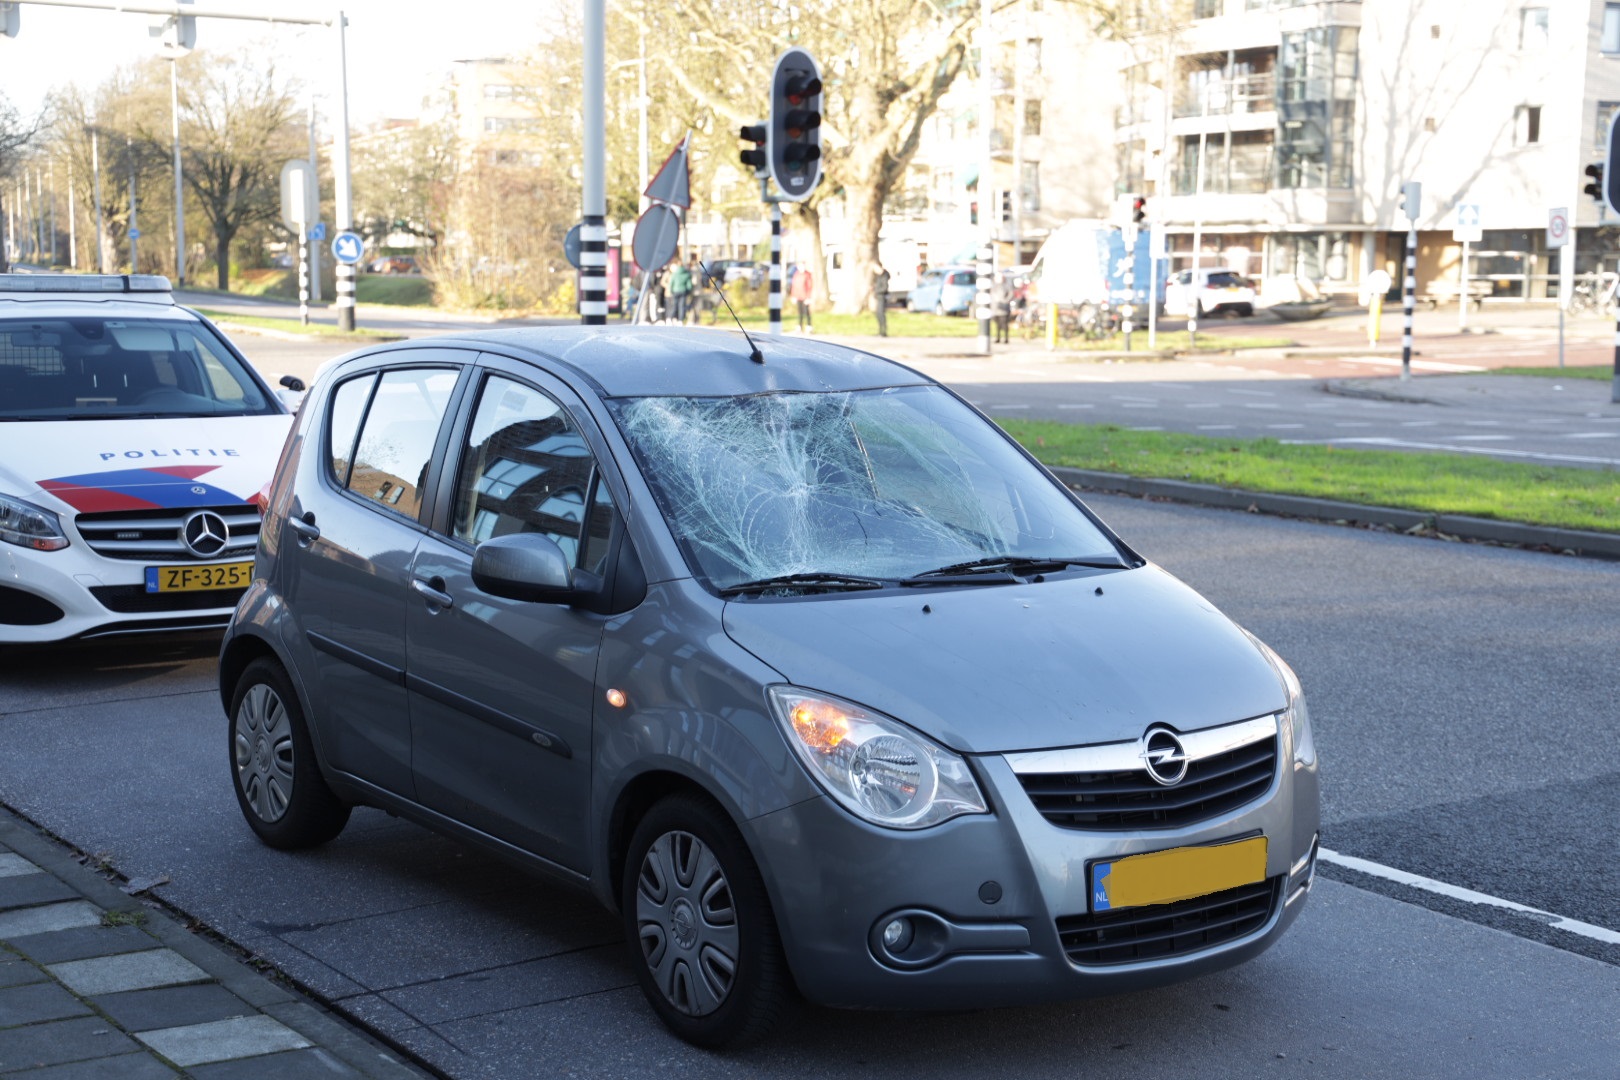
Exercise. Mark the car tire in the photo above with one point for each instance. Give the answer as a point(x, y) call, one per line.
point(1198, 309)
point(939, 308)
point(698, 923)
point(1245, 310)
point(277, 780)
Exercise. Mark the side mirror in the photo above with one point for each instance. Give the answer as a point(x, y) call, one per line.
point(293, 383)
point(528, 566)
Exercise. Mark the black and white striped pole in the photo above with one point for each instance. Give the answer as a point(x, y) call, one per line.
point(984, 282)
point(593, 223)
point(1411, 200)
point(776, 269)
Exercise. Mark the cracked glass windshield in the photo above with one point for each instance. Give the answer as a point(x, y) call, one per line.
point(883, 483)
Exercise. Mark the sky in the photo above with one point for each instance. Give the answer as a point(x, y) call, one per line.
point(397, 49)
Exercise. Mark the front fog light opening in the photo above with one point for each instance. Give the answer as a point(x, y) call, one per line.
point(909, 939)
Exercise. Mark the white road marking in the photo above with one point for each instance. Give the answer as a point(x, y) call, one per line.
point(1252, 393)
point(1419, 423)
point(1066, 405)
point(1469, 896)
point(1593, 435)
point(1004, 407)
point(1353, 423)
point(1281, 427)
point(1417, 365)
point(1217, 427)
point(1482, 438)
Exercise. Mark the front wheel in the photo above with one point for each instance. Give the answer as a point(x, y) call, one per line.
point(277, 781)
point(698, 923)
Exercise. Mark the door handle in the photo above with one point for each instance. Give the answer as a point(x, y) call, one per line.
point(308, 532)
point(433, 592)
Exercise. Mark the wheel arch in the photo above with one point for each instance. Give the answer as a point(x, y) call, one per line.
point(240, 651)
point(639, 795)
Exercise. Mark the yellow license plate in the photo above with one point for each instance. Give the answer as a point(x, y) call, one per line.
point(1163, 877)
point(199, 577)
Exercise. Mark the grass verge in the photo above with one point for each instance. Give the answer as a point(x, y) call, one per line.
point(1432, 483)
point(403, 290)
point(1604, 372)
point(292, 326)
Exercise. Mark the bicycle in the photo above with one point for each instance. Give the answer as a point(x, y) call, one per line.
point(1598, 293)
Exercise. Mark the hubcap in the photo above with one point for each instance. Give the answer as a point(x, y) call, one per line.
point(264, 752)
point(687, 923)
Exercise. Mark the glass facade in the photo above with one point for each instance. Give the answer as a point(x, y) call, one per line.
point(1316, 88)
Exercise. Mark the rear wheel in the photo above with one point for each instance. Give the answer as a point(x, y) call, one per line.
point(277, 781)
point(698, 923)
point(939, 307)
point(1245, 310)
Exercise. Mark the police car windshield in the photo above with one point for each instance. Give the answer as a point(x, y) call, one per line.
point(95, 367)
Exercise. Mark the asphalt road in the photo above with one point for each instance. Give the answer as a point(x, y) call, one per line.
point(1464, 714)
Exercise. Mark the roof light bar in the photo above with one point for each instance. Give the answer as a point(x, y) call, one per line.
point(85, 283)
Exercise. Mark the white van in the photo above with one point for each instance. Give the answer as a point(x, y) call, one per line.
point(134, 440)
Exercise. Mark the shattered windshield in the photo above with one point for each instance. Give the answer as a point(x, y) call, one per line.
point(883, 483)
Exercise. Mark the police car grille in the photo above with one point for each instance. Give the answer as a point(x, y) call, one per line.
point(154, 535)
point(1121, 801)
point(1165, 931)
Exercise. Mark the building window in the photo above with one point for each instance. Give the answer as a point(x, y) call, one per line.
point(1029, 187)
point(1032, 116)
point(1527, 125)
point(1206, 9)
point(1610, 41)
point(1533, 28)
point(1316, 92)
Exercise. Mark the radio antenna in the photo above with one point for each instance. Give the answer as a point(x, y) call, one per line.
point(753, 350)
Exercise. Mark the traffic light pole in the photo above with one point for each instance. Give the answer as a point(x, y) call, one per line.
point(776, 269)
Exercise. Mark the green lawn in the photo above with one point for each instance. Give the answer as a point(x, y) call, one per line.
point(1585, 371)
point(1432, 483)
point(405, 290)
point(293, 326)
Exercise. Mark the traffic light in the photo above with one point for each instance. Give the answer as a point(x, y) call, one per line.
point(795, 128)
point(1138, 209)
point(755, 158)
point(1594, 183)
point(1412, 199)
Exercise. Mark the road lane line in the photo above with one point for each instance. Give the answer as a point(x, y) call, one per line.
point(1469, 896)
point(1068, 405)
point(1217, 427)
point(1417, 365)
point(1593, 435)
point(1482, 438)
point(1404, 444)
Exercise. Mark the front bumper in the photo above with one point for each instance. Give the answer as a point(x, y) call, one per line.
point(75, 593)
point(1003, 900)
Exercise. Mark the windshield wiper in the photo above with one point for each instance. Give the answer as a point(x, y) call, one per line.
point(809, 581)
point(1016, 566)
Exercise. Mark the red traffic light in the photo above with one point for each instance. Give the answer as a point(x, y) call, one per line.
point(1139, 209)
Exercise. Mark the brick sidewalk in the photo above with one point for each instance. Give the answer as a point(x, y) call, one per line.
point(98, 985)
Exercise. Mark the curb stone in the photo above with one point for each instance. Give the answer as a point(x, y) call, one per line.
point(1571, 541)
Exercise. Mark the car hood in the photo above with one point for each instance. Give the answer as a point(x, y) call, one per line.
point(88, 466)
point(1002, 668)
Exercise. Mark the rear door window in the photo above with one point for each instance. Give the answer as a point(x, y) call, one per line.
point(395, 447)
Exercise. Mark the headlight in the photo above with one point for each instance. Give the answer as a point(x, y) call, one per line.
point(878, 769)
point(1296, 716)
point(29, 526)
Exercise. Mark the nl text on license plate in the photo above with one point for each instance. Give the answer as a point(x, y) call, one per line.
point(1163, 877)
point(198, 577)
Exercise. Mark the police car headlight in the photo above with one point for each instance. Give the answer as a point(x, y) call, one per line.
point(26, 525)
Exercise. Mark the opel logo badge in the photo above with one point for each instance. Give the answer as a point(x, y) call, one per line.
point(205, 533)
point(1164, 756)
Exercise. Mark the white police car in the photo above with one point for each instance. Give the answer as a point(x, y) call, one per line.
point(133, 441)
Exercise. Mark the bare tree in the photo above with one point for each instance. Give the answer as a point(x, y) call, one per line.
point(240, 124)
point(15, 135)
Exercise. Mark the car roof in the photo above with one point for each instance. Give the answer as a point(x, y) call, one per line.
point(658, 361)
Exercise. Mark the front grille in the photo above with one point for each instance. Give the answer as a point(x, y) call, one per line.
point(1122, 800)
point(135, 600)
point(154, 535)
point(1165, 931)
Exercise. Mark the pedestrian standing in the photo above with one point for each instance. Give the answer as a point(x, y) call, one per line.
point(658, 301)
point(680, 291)
point(1001, 307)
point(802, 288)
point(880, 299)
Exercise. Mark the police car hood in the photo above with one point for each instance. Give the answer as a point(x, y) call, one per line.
point(93, 466)
point(1071, 661)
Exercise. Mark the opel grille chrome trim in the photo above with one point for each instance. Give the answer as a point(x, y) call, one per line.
point(1127, 756)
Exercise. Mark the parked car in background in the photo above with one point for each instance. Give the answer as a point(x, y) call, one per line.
point(727, 271)
point(1217, 289)
point(134, 439)
point(797, 662)
point(945, 290)
point(394, 264)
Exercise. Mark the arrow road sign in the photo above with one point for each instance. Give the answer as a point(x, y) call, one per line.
point(318, 233)
point(347, 247)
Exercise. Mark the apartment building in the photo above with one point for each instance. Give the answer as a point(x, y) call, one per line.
point(1281, 131)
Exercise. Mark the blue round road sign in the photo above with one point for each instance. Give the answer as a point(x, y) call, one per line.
point(347, 247)
point(318, 233)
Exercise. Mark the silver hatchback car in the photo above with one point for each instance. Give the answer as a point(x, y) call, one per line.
point(793, 659)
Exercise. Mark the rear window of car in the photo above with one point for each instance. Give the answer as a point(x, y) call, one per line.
point(1224, 278)
point(962, 277)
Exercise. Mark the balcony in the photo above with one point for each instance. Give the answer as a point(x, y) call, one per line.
point(1247, 172)
point(1241, 94)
